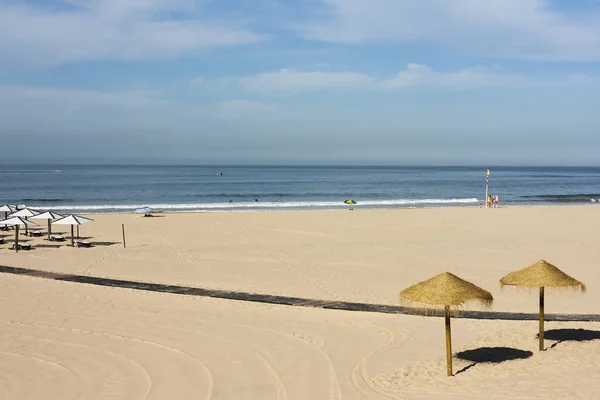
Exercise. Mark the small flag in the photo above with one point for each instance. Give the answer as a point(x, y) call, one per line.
point(488, 172)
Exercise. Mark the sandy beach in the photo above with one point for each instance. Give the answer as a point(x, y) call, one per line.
point(88, 342)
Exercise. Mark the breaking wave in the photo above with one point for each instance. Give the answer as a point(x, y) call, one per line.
point(267, 205)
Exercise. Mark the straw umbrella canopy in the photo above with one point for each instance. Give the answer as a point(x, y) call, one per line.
point(17, 222)
point(447, 290)
point(48, 215)
point(25, 213)
point(541, 275)
point(73, 220)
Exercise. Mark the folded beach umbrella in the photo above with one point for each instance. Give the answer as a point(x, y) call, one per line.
point(72, 220)
point(541, 275)
point(25, 213)
point(17, 222)
point(447, 290)
point(48, 215)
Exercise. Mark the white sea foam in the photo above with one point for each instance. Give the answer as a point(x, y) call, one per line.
point(233, 206)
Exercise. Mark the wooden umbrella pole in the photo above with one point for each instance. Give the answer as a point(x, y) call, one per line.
point(541, 335)
point(49, 230)
point(72, 238)
point(448, 342)
point(17, 238)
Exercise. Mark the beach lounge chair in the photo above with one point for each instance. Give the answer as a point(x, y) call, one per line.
point(83, 243)
point(36, 232)
point(1, 240)
point(21, 246)
point(57, 238)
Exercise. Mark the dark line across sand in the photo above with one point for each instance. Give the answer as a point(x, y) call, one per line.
point(289, 301)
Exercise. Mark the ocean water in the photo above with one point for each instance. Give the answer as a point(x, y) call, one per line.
point(102, 189)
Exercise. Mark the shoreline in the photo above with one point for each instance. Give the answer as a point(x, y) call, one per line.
point(357, 207)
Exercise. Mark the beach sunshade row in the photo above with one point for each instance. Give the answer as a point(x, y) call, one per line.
point(448, 290)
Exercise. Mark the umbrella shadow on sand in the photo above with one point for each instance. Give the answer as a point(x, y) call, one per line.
point(47, 246)
point(492, 355)
point(105, 243)
point(570, 335)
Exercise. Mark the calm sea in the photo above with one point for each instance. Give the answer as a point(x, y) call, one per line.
point(98, 189)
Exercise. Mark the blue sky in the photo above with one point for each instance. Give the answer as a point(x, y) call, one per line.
point(305, 81)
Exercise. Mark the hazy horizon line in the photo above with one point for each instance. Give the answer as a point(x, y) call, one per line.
point(282, 165)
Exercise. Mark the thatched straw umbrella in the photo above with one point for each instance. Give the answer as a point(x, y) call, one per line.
point(446, 290)
point(542, 274)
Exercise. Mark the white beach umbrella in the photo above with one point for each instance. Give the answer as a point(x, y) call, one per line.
point(7, 209)
point(72, 220)
point(17, 222)
point(24, 213)
point(48, 215)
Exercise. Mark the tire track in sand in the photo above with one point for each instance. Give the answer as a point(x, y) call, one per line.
point(359, 376)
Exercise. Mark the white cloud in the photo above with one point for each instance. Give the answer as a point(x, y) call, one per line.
point(413, 76)
point(83, 30)
point(418, 75)
point(528, 29)
point(289, 80)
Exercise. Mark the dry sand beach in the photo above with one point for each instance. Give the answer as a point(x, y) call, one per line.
point(69, 340)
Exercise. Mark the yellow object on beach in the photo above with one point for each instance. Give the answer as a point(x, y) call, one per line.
point(542, 274)
point(446, 290)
